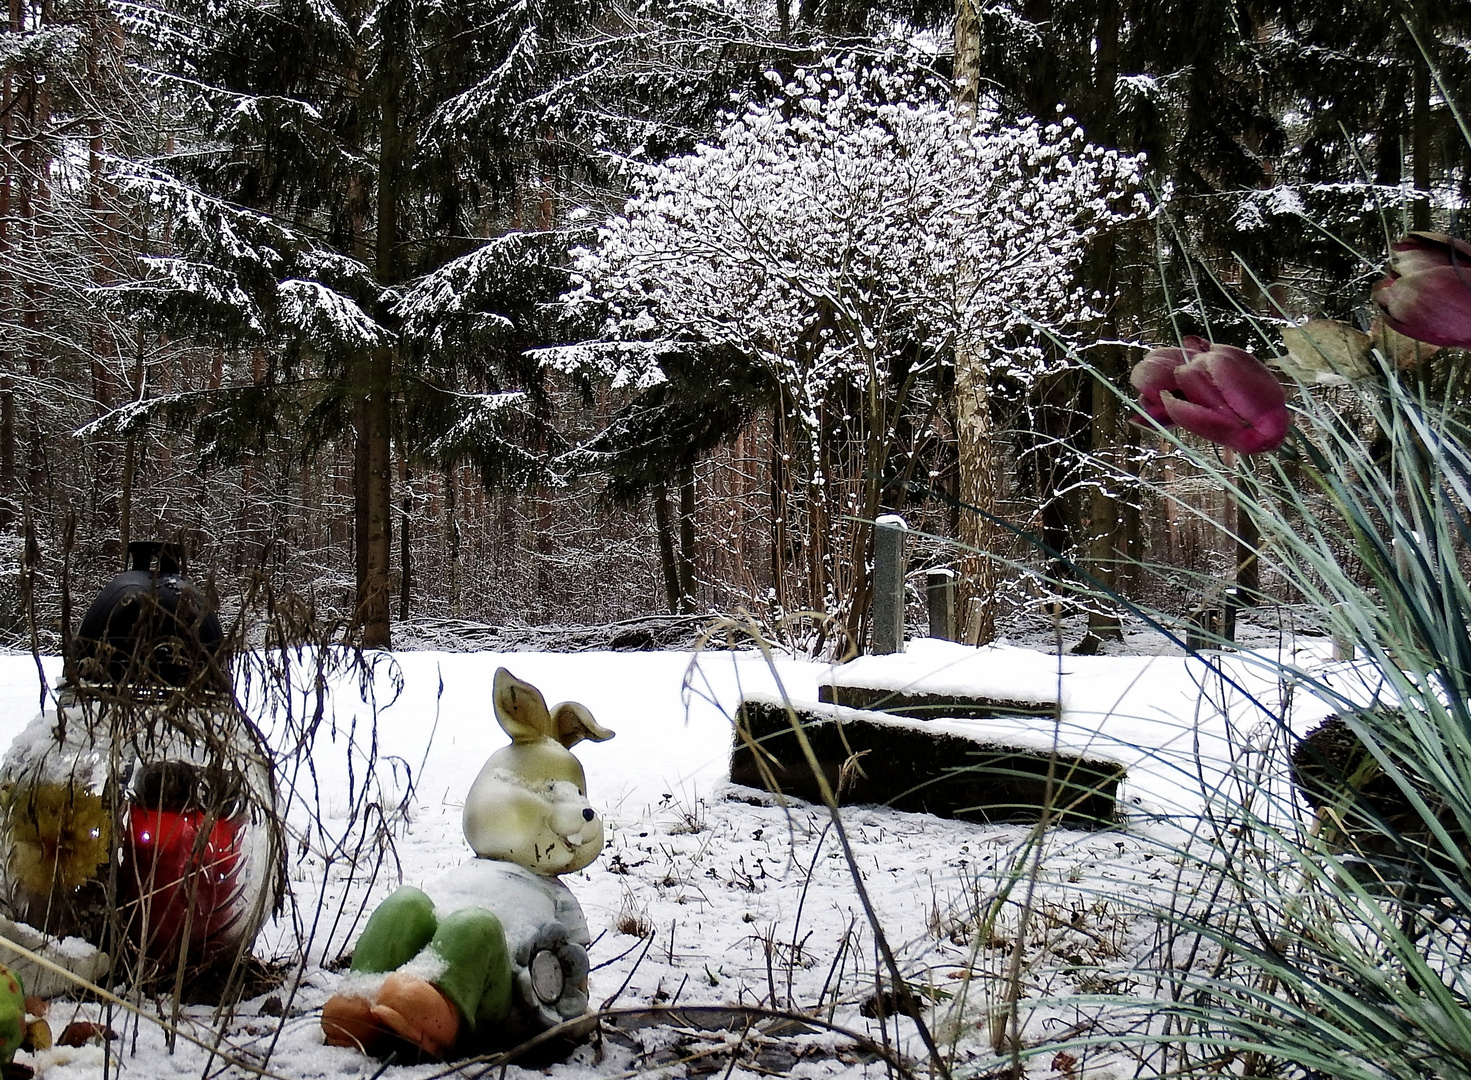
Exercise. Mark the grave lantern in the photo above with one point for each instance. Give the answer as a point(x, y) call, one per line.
point(138, 813)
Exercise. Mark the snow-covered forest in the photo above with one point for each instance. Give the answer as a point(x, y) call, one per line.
point(554, 371)
point(562, 312)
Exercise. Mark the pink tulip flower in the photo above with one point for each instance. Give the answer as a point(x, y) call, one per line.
point(1427, 295)
point(1155, 375)
point(1218, 392)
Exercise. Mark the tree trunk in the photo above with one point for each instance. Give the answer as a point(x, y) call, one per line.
point(977, 495)
point(452, 516)
point(130, 464)
point(360, 486)
point(780, 507)
point(375, 503)
point(1103, 509)
point(1105, 521)
point(125, 496)
point(251, 540)
point(1058, 424)
point(1420, 149)
point(405, 563)
point(664, 527)
point(687, 598)
point(817, 551)
point(965, 76)
point(1248, 567)
point(8, 503)
point(375, 493)
point(107, 491)
point(34, 109)
point(1133, 516)
point(1042, 93)
point(1248, 539)
point(1389, 161)
point(975, 439)
point(545, 525)
point(7, 455)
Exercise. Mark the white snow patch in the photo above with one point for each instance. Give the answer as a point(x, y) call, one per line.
point(746, 899)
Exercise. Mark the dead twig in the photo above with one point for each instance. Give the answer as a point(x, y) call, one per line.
point(492, 1062)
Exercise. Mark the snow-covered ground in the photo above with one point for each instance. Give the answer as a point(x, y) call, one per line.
point(713, 895)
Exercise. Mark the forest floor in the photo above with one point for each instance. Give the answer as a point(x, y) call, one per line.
point(711, 899)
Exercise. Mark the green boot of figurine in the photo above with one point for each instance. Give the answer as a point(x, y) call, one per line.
point(477, 966)
point(448, 975)
point(397, 931)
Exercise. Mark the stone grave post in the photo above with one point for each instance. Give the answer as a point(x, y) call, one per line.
point(1231, 605)
point(888, 584)
point(940, 597)
point(1343, 640)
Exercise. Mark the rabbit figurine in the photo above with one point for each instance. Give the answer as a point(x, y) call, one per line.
point(529, 803)
point(503, 954)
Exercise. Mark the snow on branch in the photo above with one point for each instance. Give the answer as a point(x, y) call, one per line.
point(245, 273)
point(216, 289)
point(244, 238)
point(458, 287)
point(495, 91)
point(52, 46)
point(853, 221)
point(623, 363)
point(326, 318)
point(340, 271)
point(479, 417)
point(489, 429)
point(128, 419)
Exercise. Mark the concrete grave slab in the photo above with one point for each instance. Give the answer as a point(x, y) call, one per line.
point(953, 768)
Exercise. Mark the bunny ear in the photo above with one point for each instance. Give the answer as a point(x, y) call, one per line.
point(571, 723)
point(521, 709)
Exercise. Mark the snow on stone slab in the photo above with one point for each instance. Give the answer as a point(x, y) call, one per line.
point(931, 666)
point(1036, 735)
point(950, 768)
point(1173, 722)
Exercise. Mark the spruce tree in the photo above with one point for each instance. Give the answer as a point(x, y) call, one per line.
point(355, 208)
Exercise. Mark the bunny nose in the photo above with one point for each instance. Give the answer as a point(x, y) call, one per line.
point(587, 813)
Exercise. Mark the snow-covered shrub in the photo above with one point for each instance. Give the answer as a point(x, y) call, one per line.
point(844, 239)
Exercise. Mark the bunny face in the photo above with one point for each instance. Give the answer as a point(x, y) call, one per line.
point(529, 804)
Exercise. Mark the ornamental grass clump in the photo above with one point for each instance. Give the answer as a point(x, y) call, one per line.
point(1336, 938)
point(1350, 960)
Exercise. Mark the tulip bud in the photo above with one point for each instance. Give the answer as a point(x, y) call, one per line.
point(1427, 295)
point(1155, 375)
point(1218, 392)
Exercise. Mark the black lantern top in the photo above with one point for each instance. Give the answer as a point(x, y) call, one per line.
point(149, 628)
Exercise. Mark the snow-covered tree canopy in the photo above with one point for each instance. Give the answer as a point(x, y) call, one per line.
point(853, 219)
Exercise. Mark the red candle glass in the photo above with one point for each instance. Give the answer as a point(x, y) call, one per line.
point(185, 881)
